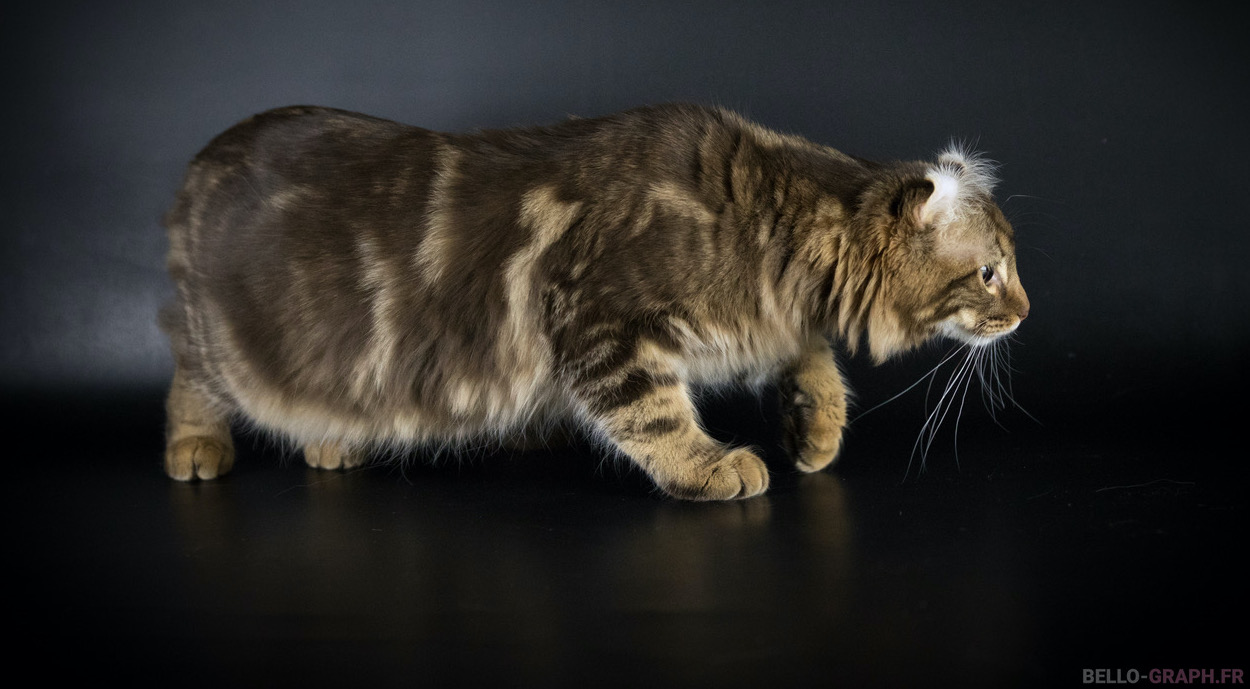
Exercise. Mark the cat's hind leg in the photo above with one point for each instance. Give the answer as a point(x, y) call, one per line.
point(813, 405)
point(333, 455)
point(635, 395)
point(197, 433)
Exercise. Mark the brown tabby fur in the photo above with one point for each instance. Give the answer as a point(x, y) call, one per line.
point(351, 283)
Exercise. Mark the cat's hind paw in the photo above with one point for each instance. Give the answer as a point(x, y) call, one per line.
point(198, 456)
point(332, 456)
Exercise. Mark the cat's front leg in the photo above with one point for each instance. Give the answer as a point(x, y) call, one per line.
point(813, 406)
point(635, 395)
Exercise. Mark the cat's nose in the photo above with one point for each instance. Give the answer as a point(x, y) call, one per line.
point(1022, 305)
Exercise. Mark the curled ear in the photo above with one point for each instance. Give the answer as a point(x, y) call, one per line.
point(944, 198)
point(960, 175)
point(945, 188)
point(922, 200)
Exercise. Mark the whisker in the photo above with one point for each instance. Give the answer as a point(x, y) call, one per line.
point(1003, 370)
point(1009, 391)
point(929, 389)
point(931, 372)
point(980, 355)
point(988, 398)
point(991, 365)
point(929, 428)
point(993, 388)
point(965, 371)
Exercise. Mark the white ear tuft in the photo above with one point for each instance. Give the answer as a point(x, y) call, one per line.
point(959, 175)
point(975, 170)
point(944, 197)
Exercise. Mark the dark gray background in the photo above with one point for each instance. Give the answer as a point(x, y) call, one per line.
point(1119, 126)
point(1109, 536)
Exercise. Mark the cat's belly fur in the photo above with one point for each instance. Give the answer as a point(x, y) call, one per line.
point(476, 408)
point(472, 408)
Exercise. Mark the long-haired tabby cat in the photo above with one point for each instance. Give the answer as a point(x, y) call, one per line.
point(353, 283)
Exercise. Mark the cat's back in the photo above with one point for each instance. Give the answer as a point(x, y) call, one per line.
point(291, 132)
point(317, 156)
point(345, 155)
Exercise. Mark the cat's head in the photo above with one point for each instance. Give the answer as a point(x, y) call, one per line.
point(949, 260)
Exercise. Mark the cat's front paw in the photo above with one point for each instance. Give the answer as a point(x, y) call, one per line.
point(332, 456)
point(737, 474)
point(813, 432)
point(198, 456)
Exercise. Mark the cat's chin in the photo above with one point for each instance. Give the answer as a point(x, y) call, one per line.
point(957, 332)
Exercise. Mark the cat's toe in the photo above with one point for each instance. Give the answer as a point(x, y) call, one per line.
point(818, 449)
point(201, 457)
point(814, 459)
point(739, 474)
point(332, 456)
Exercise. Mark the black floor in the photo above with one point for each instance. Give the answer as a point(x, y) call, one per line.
point(1048, 550)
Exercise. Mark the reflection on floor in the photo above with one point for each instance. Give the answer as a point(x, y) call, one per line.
point(1043, 553)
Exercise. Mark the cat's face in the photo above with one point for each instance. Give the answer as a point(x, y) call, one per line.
point(953, 263)
point(985, 299)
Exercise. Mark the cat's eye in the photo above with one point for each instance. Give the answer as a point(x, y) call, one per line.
point(987, 274)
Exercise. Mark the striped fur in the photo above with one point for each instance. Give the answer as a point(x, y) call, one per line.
point(352, 283)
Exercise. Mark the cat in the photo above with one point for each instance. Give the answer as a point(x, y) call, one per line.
point(352, 283)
